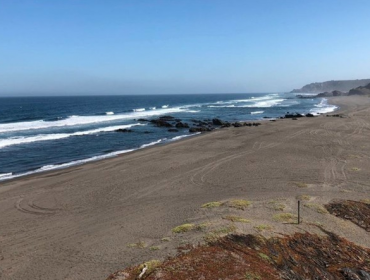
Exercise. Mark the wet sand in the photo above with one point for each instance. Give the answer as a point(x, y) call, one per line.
point(83, 222)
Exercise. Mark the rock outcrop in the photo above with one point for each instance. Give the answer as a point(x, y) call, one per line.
point(365, 90)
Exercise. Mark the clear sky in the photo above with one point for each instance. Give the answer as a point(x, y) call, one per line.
point(177, 46)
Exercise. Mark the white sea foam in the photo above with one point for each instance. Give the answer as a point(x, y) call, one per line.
point(262, 101)
point(5, 175)
point(225, 106)
point(153, 143)
point(152, 108)
point(109, 113)
point(257, 112)
point(259, 104)
point(45, 137)
point(139, 110)
point(184, 136)
point(323, 107)
point(165, 106)
point(264, 104)
point(65, 165)
point(83, 120)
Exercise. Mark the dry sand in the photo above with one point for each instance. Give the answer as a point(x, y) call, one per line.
point(82, 222)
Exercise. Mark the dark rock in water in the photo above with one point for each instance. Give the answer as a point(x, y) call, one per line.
point(142, 120)
point(226, 124)
point(199, 129)
point(146, 132)
point(123, 130)
point(325, 94)
point(309, 115)
point(237, 124)
point(160, 122)
point(173, 130)
point(167, 118)
point(290, 116)
point(217, 122)
point(182, 125)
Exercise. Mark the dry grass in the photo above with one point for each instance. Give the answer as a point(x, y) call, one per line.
point(166, 239)
point(263, 227)
point(304, 197)
point(300, 184)
point(202, 226)
point(236, 219)
point(183, 228)
point(285, 217)
point(240, 204)
point(277, 206)
point(212, 204)
point(355, 169)
point(367, 201)
point(139, 245)
point(317, 207)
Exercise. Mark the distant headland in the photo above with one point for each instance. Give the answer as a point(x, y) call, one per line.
point(328, 86)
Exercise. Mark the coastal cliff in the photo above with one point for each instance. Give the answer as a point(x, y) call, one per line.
point(362, 90)
point(340, 85)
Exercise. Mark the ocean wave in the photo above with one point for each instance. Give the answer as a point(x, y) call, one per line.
point(82, 120)
point(109, 113)
point(264, 104)
point(257, 112)
point(323, 107)
point(259, 104)
point(153, 143)
point(152, 108)
point(220, 106)
point(139, 110)
point(5, 175)
point(183, 136)
point(47, 137)
point(65, 165)
point(165, 106)
point(243, 103)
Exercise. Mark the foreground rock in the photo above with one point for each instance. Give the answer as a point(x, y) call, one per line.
point(356, 211)
point(300, 256)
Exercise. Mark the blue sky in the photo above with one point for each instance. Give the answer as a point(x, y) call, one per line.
point(195, 46)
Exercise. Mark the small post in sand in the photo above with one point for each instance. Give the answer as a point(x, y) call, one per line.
point(299, 211)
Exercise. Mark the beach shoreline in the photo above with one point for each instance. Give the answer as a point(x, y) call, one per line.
point(84, 221)
point(78, 162)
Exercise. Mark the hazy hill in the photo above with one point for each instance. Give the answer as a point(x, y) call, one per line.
point(360, 90)
point(342, 85)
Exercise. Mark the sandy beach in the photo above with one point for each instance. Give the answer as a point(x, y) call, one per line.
point(88, 221)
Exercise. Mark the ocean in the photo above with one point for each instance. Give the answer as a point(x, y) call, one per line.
point(45, 133)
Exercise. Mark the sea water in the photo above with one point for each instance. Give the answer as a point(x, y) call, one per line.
point(45, 133)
